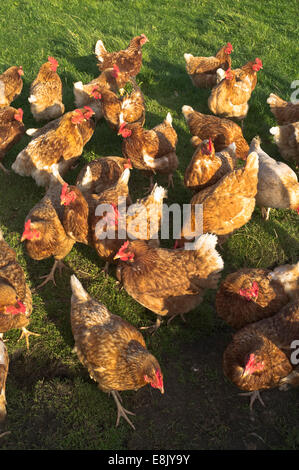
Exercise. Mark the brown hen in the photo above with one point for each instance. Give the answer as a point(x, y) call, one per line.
point(287, 140)
point(249, 295)
point(260, 354)
point(129, 60)
point(12, 130)
point(206, 167)
point(46, 92)
point(169, 282)
point(15, 294)
point(44, 234)
point(202, 70)
point(228, 204)
point(229, 98)
point(284, 112)
point(223, 132)
point(112, 350)
point(151, 150)
point(11, 85)
point(58, 142)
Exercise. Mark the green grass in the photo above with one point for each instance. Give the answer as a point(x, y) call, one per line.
point(52, 403)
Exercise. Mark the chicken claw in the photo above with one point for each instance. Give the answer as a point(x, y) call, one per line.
point(254, 395)
point(121, 411)
point(50, 277)
point(170, 181)
point(25, 334)
point(153, 328)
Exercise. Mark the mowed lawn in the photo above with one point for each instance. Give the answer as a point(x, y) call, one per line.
point(51, 401)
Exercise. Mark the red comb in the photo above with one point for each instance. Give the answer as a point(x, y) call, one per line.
point(210, 145)
point(27, 224)
point(229, 48)
point(19, 115)
point(258, 65)
point(89, 112)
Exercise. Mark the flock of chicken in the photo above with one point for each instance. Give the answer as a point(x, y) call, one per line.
point(263, 305)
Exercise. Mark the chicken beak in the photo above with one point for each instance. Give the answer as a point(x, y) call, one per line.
point(116, 256)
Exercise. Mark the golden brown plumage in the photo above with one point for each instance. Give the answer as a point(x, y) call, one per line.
point(4, 364)
point(110, 80)
point(284, 112)
point(229, 98)
point(129, 60)
point(128, 108)
point(287, 140)
point(112, 350)
point(44, 232)
point(101, 173)
point(107, 247)
point(229, 203)
point(59, 142)
point(11, 85)
point(151, 150)
point(169, 282)
point(206, 167)
point(202, 70)
point(251, 294)
point(12, 130)
point(259, 356)
point(15, 294)
point(223, 132)
point(46, 92)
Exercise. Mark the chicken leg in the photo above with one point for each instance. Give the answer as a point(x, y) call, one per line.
point(253, 396)
point(25, 334)
point(7, 172)
point(50, 277)
point(153, 328)
point(121, 411)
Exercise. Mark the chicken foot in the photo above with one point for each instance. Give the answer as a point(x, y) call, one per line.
point(253, 396)
point(175, 315)
point(121, 411)
point(265, 212)
point(170, 181)
point(25, 334)
point(153, 328)
point(50, 277)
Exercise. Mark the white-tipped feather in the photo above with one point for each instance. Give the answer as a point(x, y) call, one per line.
point(87, 178)
point(220, 75)
point(78, 86)
point(169, 118)
point(206, 243)
point(99, 50)
point(187, 57)
point(1, 235)
point(274, 130)
point(288, 276)
point(31, 131)
point(159, 193)
point(77, 289)
point(232, 146)
point(32, 99)
point(55, 173)
point(186, 110)
point(125, 176)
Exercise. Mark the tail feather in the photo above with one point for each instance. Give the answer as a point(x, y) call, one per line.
point(159, 193)
point(275, 101)
point(274, 130)
point(125, 176)
point(187, 57)
point(100, 50)
point(252, 162)
point(187, 110)
point(31, 131)
point(169, 119)
point(78, 291)
point(78, 86)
